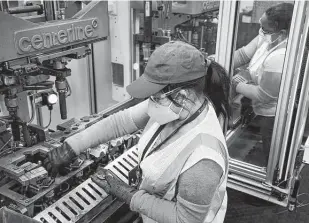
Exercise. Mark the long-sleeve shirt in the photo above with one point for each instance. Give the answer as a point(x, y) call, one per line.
point(245, 53)
point(264, 94)
point(195, 186)
point(264, 91)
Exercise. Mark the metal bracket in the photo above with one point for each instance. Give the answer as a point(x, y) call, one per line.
point(75, 53)
point(276, 189)
point(54, 72)
point(155, 39)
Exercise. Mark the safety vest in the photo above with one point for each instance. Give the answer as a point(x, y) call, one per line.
point(256, 64)
point(161, 169)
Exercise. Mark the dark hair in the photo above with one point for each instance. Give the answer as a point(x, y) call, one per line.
point(215, 85)
point(217, 88)
point(280, 15)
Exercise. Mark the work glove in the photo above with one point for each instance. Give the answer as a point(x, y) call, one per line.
point(238, 78)
point(246, 110)
point(58, 157)
point(112, 185)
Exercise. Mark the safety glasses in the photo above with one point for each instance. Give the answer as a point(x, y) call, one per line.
point(265, 32)
point(161, 95)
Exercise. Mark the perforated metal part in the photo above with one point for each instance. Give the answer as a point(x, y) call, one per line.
point(124, 164)
point(74, 205)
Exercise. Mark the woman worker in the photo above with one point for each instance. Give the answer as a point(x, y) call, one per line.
point(265, 55)
point(183, 159)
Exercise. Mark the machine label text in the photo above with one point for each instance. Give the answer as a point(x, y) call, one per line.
point(53, 36)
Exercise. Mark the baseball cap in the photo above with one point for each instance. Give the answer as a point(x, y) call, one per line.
point(172, 63)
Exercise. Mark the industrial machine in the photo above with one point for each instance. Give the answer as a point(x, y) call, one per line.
point(34, 58)
point(48, 48)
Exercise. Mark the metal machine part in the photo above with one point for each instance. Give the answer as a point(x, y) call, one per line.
point(24, 9)
point(87, 26)
point(32, 55)
point(8, 216)
point(74, 205)
point(124, 164)
point(28, 185)
point(38, 51)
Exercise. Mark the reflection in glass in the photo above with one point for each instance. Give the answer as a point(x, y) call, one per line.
point(258, 65)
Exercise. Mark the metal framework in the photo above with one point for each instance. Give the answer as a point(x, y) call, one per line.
point(251, 179)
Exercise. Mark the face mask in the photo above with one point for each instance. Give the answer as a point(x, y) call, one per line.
point(162, 114)
point(267, 37)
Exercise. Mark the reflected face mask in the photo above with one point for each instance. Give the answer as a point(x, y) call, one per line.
point(268, 37)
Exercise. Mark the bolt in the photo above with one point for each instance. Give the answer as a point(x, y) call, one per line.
point(95, 23)
point(101, 176)
point(86, 120)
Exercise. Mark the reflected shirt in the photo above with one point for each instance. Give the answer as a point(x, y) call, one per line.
point(268, 83)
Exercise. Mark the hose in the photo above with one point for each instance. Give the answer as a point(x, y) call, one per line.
point(50, 119)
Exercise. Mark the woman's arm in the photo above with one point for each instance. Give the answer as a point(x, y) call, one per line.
point(269, 86)
point(196, 189)
point(265, 92)
point(244, 54)
point(116, 125)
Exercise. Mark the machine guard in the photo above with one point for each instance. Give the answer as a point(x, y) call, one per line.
point(277, 183)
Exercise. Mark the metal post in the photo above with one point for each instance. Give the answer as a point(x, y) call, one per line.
point(286, 100)
point(49, 10)
point(92, 86)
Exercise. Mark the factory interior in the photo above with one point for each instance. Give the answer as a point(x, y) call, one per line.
point(65, 66)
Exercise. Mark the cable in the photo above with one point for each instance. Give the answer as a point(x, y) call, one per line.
point(282, 182)
point(6, 144)
point(5, 150)
point(301, 195)
point(66, 189)
point(50, 118)
point(68, 88)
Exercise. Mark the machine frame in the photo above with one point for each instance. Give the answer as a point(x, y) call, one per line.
point(269, 183)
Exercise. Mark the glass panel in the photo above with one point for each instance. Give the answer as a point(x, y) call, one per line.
point(261, 42)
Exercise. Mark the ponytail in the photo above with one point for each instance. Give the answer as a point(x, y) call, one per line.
point(217, 88)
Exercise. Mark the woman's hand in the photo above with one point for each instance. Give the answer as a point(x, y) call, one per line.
point(241, 77)
point(113, 185)
point(245, 73)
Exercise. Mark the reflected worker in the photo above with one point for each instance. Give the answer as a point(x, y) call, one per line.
point(265, 55)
